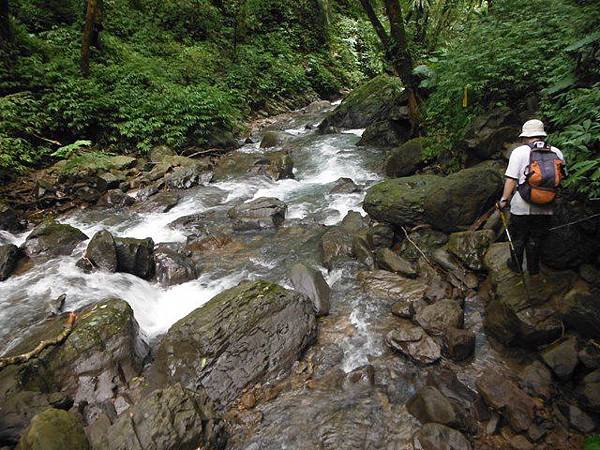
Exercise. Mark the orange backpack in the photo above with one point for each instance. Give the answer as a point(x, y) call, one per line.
point(543, 175)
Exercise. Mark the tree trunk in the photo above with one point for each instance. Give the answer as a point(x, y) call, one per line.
point(97, 27)
point(4, 22)
point(87, 37)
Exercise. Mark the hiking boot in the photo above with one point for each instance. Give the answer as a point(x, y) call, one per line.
point(510, 263)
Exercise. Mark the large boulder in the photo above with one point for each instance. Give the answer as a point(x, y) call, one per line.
point(311, 283)
point(276, 165)
point(490, 132)
point(135, 256)
point(172, 267)
point(440, 316)
point(412, 341)
point(97, 360)
point(264, 212)
point(366, 104)
point(434, 436)
point(447, 203)
point(570, 246)
point(274, 138)
point(561, 357)
point(406, 159)
point(9, 220)
point(248, 333)
point(170, 418)
point(519, 314)
point(471, 246)
point(334, 245)
point(186, 177)
point(54, 429)
point(389, 131)
point(53, 239)
point(430, 405)
point(580, 309)
point(102, 251)
point(344, 185)
point(388, 260)
point(9, 257)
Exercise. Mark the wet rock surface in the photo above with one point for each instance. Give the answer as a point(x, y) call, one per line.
point(54, 429)
point(53, 239)
point(135, 256)
point(311, 283)
point(9, 257)
point(102, 251)
point(172, 266)
point(263, 329)
point(257, 214)
point(414, 342)
point(433, 436)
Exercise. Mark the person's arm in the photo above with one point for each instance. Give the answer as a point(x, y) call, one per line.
point(509, 188)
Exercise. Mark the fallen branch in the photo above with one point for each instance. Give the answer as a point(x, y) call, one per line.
point(18, 359)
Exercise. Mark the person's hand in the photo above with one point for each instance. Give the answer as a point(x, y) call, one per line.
point(503, 203)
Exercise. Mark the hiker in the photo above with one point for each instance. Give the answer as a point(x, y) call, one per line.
point(534, 172)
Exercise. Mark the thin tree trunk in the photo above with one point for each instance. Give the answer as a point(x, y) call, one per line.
point(97, 27)
point(379, 29)
point(87, 37)
point(5, 34)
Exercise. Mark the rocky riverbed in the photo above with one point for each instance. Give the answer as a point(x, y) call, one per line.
point(286, 295)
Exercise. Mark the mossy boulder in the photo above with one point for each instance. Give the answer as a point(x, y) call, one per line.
point(54, 429)
point(471, 246)
point(366, 104)
point(245, 334)
point(263, 212)
point(273, 138)
point(275, 165)
point(406, 159)
point(135, 256)
point(447, 203)
point(102, 251)
point(53, 239)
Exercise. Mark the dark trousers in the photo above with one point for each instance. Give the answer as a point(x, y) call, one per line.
point(527, 233)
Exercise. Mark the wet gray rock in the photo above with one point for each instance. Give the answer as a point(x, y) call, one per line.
point(344, 186)
point(162, 201)
point(135, 256)
point(262, 329)
point(536, 379)
point(440, 316)
point(580, 420)
point(55, 306)
point(406, 159)
point(186, 177)
point(392, 286)
point(274, 139)
point(9, 257)
point(562, 357)
point(264, 212)
point(277, 165)
point(380, 236)
point(335, 244)
point(388, 260)
point(447, 203)
point(471, 246)
point(171, 267)
point(490, 131)
point(311, 283)
point(504, 396)
point(115, 198)
point(361, 249)
point(430, 405)
point(8, 219)
point(589, 355)
point(52, 239)
point(170, 418)
point(588, 392)
point(102, 251)
point(391, 131)
point(580, 309)
point(54, 429)
point(434, 436)
point(426, 239)
point(414, 342)
point(459, 344)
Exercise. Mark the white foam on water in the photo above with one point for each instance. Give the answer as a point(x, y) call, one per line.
point(16, 239)
point(356, 131)
point(336, 102)
point(296, 131)
point(342, 204)
point(359, 347)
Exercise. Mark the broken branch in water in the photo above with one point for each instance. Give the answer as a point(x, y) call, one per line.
point(18, 359)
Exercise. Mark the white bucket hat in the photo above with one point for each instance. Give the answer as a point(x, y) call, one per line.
point(533, 128)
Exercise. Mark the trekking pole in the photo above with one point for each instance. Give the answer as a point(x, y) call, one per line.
point(513, 252)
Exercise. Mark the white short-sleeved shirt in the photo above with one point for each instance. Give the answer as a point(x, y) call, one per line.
point(519, 160)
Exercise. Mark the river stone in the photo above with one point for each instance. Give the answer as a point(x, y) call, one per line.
point(274, 139)
point(505, 397)
point(459, 344)
point(344, 186)
point(434, 436)
point(9, 257)
point(393, 286)
point(335, 244)
point(171, 267)
point(54, 429)
point(366, 104)
point(264, 212)
point(562, 357)
point(406, 159)
point(102, 251)
point(53, 239)
point(311, 283)
point(426, 239)
point(447, 203)
point(580, 309)
point(115, 198)
point(490, 132)
point(380, 235)
point(430, 405)
point(513, 317)
point(262, 329)
point(361, 249)
point(135, 256)
point(388, 260)
point(440, 316)
point(471, 246)
point(414, 342)
point(170, 418)
point(200, 173)
point(276, 165)
point(159, 152)
point(588, 392)
point(589, 356)
point(8, 219)
point(390, 131)
point(536, 379)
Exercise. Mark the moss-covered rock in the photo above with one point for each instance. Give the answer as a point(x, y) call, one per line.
point(447, 203)
point(471, 246)
point(53, 239)
point(275, 165)
point(248, 333)
point(273, 138)
point(366, 104)
point(102, 251)
point(406, 159)
point(54, 429)
point(263, 212)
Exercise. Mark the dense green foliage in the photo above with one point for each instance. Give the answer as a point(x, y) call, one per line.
point(536, 57)
point(179, 72)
